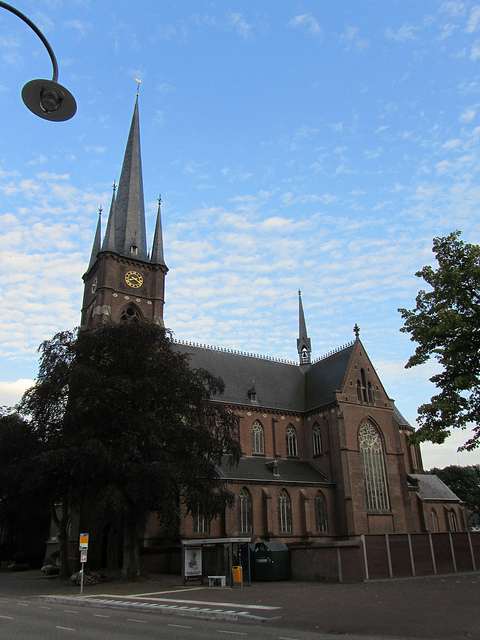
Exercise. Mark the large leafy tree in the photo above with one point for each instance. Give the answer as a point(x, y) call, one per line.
point(464, 482)
point(54, 469)
point(446, 325)
point(24, 509)
point(145, 434)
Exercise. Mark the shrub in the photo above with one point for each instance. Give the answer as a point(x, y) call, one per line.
point(88, 578)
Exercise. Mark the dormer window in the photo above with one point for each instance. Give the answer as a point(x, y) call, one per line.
point(252, 394)
point(273, 466)
point(134, 250)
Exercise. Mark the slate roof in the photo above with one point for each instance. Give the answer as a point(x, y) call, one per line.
point(279, 385)
point(252, 469)
point(430, 487)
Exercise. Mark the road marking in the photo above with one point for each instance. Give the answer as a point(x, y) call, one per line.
point(100, 615)
point(7, 617)
point(49, 608)
point(235, 633)
point(135, 620)
point(70, 611)
point(22, 604)
point(66, 628)
point(205, 602)
point(180, 626)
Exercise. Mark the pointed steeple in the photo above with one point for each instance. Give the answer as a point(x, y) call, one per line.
point(130, 233)
point(96, 241)
point(109, 239)
point(304, 346)
point(157, 247)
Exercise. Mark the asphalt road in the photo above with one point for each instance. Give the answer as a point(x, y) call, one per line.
point(438, 608)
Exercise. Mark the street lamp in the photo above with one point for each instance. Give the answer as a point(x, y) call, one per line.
point(45, 98)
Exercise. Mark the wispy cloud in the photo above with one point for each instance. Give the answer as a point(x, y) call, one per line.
point(308, 21)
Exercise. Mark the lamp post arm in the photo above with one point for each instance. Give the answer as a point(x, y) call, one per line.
point(23, 17)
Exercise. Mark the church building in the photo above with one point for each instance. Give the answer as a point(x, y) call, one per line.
point(325, 450)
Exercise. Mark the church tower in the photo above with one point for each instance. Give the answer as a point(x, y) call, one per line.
point(123, 281)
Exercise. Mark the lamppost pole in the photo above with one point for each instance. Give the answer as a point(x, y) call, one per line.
point(45, 98)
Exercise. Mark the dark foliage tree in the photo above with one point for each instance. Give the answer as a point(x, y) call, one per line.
point(135, 425)
point(464, 482)
point(446, 326)
point(23, 507)
point(55, 468)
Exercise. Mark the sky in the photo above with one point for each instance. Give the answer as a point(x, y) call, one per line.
point(311, 145)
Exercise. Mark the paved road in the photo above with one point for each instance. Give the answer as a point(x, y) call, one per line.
point(436, 608)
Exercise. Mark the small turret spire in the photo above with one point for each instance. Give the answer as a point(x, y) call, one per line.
point(109, 239)
point(304, 346)
point(157, 247)
point(97, 241)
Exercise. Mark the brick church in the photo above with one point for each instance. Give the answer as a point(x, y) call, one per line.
point(325, 452)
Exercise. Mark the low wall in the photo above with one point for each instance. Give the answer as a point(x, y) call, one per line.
point(387, 556)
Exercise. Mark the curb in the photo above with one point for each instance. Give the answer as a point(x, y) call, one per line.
point(145, 607)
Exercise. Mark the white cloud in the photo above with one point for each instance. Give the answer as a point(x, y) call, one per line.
point(307, 20)
point(473, 23)
point(468, 115)
point(239, 23)
point(353, 40)
point(11, 392)
point(405, 33)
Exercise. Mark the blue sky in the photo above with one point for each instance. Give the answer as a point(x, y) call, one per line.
point(313, 145)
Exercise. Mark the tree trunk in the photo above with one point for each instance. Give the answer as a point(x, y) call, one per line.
point(113, 547)
point(131, 555)
point(61, 524)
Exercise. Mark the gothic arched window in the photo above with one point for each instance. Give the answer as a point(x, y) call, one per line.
point(291, 436)
point(130, 314)
point(435, 527)
point(258, 443)
point(244, 511)
point(373, 467)
point(284, 512)
point(201, 524)
point(320, 513)
point(317, 439)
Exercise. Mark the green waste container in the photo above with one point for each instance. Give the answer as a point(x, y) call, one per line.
point(272, 561)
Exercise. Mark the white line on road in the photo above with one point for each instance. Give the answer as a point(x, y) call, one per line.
point(180, 626)
point(66, 628)
point(135, 620)
point(7, 617)
point(235, 633)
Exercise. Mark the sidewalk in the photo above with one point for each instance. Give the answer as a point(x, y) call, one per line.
point(442, 607)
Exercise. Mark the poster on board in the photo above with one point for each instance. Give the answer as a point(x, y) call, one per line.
point(193, 562)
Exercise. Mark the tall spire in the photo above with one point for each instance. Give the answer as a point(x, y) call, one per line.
point(97, 240)
point(109, 239)
point(157, 247)
point(304, 346)
point(130, 233)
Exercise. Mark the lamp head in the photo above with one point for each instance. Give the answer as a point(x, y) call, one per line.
point(49, 100)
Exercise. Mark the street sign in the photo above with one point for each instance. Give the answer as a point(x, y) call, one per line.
point(83, 541)
point(83, 556)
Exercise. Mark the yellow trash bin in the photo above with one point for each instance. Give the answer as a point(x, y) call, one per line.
point(237, 575)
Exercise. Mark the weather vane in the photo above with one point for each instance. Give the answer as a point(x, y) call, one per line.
point(138, 85)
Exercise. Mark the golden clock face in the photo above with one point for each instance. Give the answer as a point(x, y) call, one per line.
point(133, 279)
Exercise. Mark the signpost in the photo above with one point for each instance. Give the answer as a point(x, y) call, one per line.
point(83, 555)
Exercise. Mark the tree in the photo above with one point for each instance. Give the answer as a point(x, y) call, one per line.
point(464, 482)
point(446, 326)
point(55, 467)
point(147, 437)
point(23, 507)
